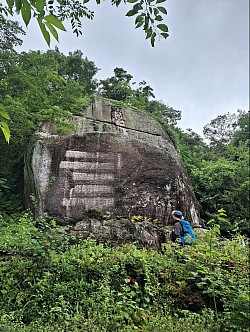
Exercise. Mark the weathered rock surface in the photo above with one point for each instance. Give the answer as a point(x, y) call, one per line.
point(120, 231)
point(118, 161)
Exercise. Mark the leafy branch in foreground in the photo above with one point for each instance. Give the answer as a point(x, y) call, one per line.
point(51, 13)
point(3, 125)
point(149, 17)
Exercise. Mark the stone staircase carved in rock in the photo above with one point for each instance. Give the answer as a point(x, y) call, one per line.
point(92, 178)
point(117, 160)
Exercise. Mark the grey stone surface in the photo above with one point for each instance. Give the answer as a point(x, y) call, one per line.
point(121, 231)
point(118, 161)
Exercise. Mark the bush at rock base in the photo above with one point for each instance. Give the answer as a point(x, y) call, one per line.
point(47, 284)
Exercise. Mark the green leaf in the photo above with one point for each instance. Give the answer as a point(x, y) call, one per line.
point(210, 221)
point(223, 219)
point(131, 13)
point(52, 30)
point(163, 10)
point(26, 12)
point(6, 131)
point(45, 33)
point(159, 1)
point(98, 2)
point(132, 1)
point(52, 19)
point(137, 7)
point(39, 5)
point(152, 40)
point(217, 229)
point(156, 11)
point(149, 32)
point(162, 27)
point(18, 4)
point(138, 25)
point(158, 18)
point(164, 35)
point(4, 114)
point(10, 4)
point(146, 24)
point(139, 18)
point(125, 314)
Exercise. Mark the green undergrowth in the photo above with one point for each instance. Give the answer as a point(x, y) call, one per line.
point(48, 282)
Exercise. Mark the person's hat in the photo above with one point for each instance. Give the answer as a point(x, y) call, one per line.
point(177, 215)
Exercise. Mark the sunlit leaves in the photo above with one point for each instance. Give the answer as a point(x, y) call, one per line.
point(3, 125)
point(5, 129)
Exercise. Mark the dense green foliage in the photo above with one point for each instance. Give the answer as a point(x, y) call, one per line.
point(219, 169)
point(48, 284)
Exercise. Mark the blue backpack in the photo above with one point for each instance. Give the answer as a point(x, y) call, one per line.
point(187, 231)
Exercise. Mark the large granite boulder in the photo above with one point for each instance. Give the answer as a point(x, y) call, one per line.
point(119, 161)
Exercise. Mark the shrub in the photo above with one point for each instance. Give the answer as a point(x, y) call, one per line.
point(46, 284)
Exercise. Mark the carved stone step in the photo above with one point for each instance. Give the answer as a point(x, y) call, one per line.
point(84, 165)
point(87, 202)
point(91, 190)
point(94, 178)
point(84, 156)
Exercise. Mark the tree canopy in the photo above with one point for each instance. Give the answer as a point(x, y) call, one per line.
point(219, 168)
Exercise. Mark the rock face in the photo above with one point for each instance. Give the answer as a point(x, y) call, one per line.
point(120, 231)
point(118, 161)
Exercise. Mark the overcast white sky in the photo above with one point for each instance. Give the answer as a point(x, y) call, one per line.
point(202, 69)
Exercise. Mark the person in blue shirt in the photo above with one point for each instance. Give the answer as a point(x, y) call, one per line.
point(182, 229)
